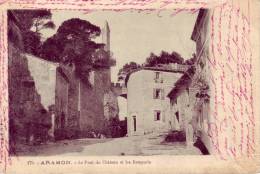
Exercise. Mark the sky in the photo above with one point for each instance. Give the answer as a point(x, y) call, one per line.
point(134, 35)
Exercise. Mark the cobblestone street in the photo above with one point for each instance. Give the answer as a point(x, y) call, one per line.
point(151, 144)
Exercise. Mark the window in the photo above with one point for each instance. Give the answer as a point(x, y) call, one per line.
point(158, 93)
point(177, 116)
point(158, 77)
point(28, 87)
point(134, 120)
point(163, 116)
point(162, 94)
point(157, 115)
point(62, 120)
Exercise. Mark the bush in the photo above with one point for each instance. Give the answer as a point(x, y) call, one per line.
point(176, 136)
point(116, 128)
point(61, 134)
point(87, 134)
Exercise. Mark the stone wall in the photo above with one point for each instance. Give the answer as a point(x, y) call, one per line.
point(201, 77)
point(143, 105)
point(43, 74)
point(67, 103)
point(111, 108)
point(87, 107)
point(24, 99)
point(94, 104)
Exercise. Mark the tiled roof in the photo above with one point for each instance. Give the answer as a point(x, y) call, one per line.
point(158, 68)
point(183, 83)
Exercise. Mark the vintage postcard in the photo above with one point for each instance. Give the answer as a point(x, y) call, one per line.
point(129, 86)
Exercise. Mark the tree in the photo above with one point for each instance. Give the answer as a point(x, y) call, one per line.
point(51, 49)
point(191, 61)
point(33, 18)
point(73, 45)
point(101, 59)
point(163, 58)
point(31, 23)
point(31, 42)
point(75, 28)
point(127, 68)
point(151, 60)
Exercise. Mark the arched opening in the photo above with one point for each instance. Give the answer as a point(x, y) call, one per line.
point(122, 105)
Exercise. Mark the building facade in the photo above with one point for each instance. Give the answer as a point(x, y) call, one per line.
point(31, 86)
point(84, 107)
point(74, 107)
point(193, 88)
point(219, 92)
point(148, 109)
point(182, 103)
point(190, 96)
point(201, 85)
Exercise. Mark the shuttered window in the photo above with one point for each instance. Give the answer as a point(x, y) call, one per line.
point(157, 115)
point(162, 94)
point(163, 116)
point(158, 94)
point(158, 77)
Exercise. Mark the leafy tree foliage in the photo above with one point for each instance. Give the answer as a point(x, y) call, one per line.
point(74, 28)
point(163, 58)
point(30, 18)
point(191, 61)
point(101, 59)
point(73, 45)
point(32, 42)
point(155, 60)
point(31, 22)
point(127, 68)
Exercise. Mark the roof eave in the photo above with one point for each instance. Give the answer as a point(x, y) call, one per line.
point(194, 35)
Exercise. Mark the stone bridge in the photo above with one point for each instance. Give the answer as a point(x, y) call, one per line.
point(119, 89)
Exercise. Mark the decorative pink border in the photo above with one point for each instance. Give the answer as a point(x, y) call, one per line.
point(218, 48)
point(4, 145)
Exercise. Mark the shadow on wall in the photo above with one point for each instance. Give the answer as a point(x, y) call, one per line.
point(176, 136)
point(28, 119)
point(114, 128)
point(179, 136)
point(200, 145)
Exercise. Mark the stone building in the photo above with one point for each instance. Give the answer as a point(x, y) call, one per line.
point(148, 108)
point(182, 102)
point(31, 85)
point(83, 107)
point(73, 106)
point(193, 88)
point(221, 117)
point(201, 80)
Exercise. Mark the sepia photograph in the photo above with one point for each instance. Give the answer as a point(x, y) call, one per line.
point(132, 86)
point(129, 86)
point(107, 83)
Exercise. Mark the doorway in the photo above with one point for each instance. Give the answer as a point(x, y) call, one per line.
point(134, 123)
point(62, 121)
point(177, 116)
